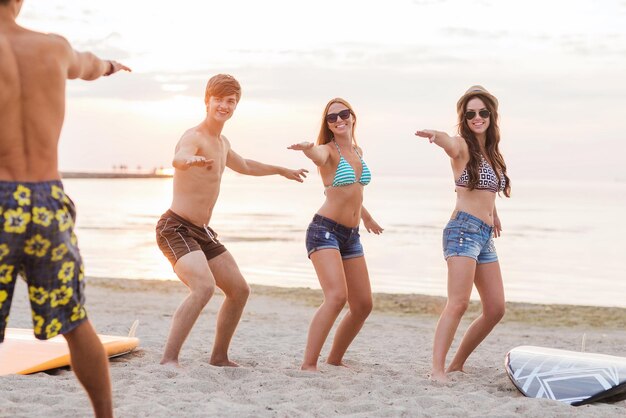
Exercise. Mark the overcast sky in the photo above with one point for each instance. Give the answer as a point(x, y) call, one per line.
point(557, 67)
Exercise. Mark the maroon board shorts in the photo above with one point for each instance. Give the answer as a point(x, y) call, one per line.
point(176, 236)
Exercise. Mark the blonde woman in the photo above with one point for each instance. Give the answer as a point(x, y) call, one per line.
point(332, 238)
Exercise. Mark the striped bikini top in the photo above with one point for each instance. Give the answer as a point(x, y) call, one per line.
point(487, 178)
point(345, 175)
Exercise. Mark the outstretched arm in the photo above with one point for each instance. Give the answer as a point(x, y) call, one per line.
point(318, 154)
point(185, 156)
point(255, 168)
point(370, 224)
point(451, 145)
point(86, 65)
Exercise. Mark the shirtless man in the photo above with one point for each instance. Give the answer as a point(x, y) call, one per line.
point(36, 217)
point(199, 259)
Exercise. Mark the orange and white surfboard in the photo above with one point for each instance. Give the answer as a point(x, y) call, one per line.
point(22, 353)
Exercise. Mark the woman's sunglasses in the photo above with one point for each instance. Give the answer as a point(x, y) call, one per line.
point(471, 114)
point(332, 117)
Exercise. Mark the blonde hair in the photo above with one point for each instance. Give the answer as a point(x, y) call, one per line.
point(326, 135)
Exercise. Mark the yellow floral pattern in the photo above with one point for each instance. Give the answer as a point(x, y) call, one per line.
point(38, 322)
point(61, 296)
point(64, 218)
point(22, 195)
point(37, 295)
point(78, 313)
point(42, 216)
point(59, 194)
point(3, 296)
point(6, 273)
point(15, 220)
point(67, 271)
point(36, 231)
point(53, 328)
point(59, 252)
point(4, 250)
point(37, 246)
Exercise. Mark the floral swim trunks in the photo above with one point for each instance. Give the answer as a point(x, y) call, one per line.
point(37, 241)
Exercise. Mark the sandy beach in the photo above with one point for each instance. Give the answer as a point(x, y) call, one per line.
point(389, 361)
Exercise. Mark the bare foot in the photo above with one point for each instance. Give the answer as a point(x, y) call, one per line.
point(340, 364)
point(438, 377)
point(170, 363)
point(224, 363)
point(455, 369)
point(308, 368)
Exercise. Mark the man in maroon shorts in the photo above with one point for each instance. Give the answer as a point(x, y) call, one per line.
point(183, 233)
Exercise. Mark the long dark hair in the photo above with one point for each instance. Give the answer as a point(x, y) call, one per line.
point(491, 143)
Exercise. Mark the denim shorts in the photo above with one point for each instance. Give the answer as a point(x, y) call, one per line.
point(467, 236)
point(324, 233)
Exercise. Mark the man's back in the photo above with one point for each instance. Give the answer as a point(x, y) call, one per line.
point(33, 70)
point(36, 211)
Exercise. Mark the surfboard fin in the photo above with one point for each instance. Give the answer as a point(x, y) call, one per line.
point(133, 328)
point(582, 343)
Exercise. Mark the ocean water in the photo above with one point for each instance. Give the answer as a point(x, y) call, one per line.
point(561, 241)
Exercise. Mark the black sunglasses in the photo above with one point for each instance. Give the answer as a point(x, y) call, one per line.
point(471, 114)
point(332, 117)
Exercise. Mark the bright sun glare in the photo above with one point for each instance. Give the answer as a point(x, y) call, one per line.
point(165, 171)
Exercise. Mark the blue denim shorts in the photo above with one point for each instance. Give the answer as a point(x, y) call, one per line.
point(324, 233)
point(467, 236)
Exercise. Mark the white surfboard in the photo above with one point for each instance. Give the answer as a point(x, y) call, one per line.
point(572, 377)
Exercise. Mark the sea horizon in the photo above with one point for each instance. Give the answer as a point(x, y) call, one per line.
point(546, 254)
